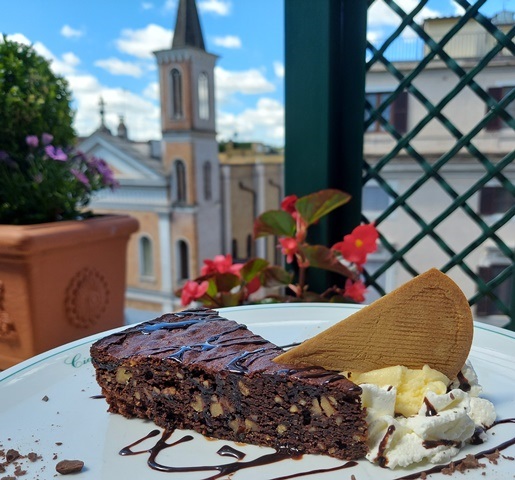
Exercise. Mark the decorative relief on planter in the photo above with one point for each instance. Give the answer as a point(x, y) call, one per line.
point(87, 297)
point(7, 327)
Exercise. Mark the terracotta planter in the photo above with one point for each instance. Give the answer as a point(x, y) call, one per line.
point(59, 282)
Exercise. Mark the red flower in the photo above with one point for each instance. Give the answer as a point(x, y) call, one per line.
point(288, 204)
point(289, 247)
point(192, 291)
point(219, 264)
point(355, 290)
point(360, 242)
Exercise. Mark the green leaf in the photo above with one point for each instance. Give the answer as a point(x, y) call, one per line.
point(314, 206)
point(253, 268)
point(323, 257)
point(212, 289)
point(225, 282)
point(275, 276)
point(274, 222)
point(228, 299)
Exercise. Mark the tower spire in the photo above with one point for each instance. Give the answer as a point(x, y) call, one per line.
point(188, 32)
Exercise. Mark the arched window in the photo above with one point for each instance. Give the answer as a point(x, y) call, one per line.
point(146, 257)
point(234, 248)
point(250, 246)
point(203, 96)
point(175, 93)
point(180, 181)
point(208, 189)
point(183, 266)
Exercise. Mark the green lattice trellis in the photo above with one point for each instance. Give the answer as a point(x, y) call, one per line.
point(463, 140)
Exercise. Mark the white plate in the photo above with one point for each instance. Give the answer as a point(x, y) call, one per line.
point(72, 425)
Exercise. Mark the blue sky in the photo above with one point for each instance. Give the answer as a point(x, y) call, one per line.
point(104, 49)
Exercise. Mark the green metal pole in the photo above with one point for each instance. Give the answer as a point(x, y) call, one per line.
point(511, 323)
point(325, 45)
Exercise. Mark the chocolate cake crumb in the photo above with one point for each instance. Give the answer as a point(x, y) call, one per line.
point(33, 456)
point(493, 457)
point(8, 478)
point(45, 398)
point(469, 462)
point(65, 467)
point(11, 455)
point(18, 471)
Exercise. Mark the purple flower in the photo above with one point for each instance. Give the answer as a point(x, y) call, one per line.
point(102, 168)
point(3, 155)
point(56, 153)
point(80, 177)
point(32, 141)
point(47, 138)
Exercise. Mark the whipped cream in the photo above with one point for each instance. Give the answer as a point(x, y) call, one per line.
point(443, 424)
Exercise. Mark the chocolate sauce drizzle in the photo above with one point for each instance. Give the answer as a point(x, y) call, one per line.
point(464, 383)
point(278, 456)
point(430, 409)
point(221, 469)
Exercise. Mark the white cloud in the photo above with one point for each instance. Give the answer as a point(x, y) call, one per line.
point(458, 9)
point(18, 38)
point(147, 5)
point(141, 43)
point(62, 66)
point(279, 69)
point(380, 14)
point(170, 5)
point(218, 7)
point(248, 82)
point(264, 123)
point(115, 66)
point(152, 91)
point(70, 32)
point(142, 117)
point(229, 41)
point(70, 59)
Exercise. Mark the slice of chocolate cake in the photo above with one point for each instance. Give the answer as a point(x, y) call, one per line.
point(196, 370)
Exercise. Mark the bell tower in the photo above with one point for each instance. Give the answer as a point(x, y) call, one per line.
point(189, 146)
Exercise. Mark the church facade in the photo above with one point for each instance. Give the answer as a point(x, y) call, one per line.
point(191, 201)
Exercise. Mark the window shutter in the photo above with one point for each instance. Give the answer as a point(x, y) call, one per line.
point(400, 113)
point(496, 94)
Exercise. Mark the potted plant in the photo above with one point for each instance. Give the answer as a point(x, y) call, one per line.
point(62, 269)
point(223, 283)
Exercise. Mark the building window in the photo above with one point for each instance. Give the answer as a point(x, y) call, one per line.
point(176, 93)
point(498, 93)
point(486, 305)
point(180, 181)
point(183, 266)
point(203, 96)
point(494, 200)
point(146, 257)
point(208, 188)
point(396, 113)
